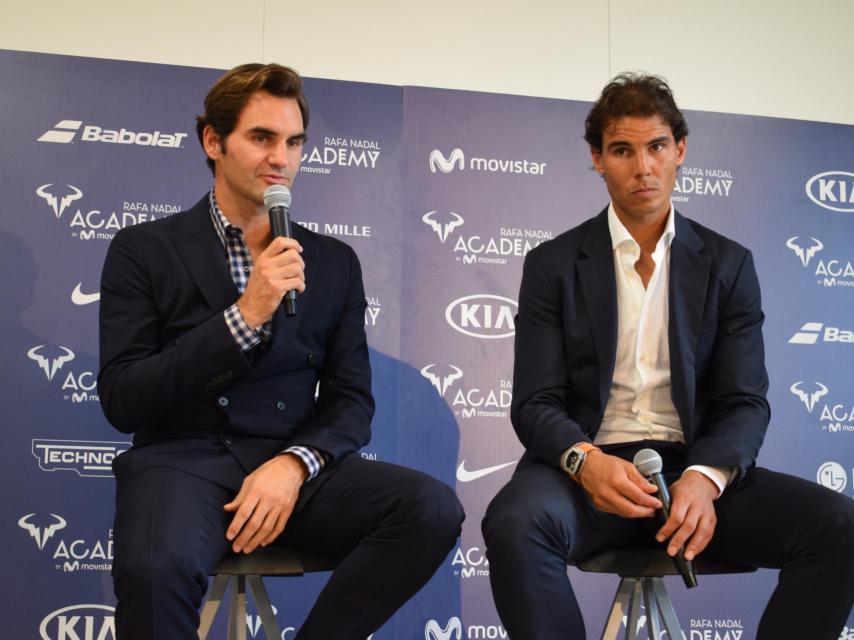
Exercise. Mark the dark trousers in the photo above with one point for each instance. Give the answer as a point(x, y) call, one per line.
point(541, 519)
point(391, 526)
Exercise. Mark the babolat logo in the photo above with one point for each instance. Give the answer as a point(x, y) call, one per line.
point(372, 311)
point(829, 272)
point(833, 190)
point(813, 332)
point(86, 458)
point(94, 223)
point(444, 381)
point(834, 417)
point(456, 160)
point(341, 152)
point(471, 563)
point(80, 622)
point(482, 315)
point(490, 248)
point(79, 385)
point(696, 181)
point(65, 131)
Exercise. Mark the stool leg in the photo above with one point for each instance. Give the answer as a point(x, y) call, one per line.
point(265, 607)
point(634, 611)
point(618, 609)
point(668, 613)
point(208, 613)
point(237, 613)
point(653, 624)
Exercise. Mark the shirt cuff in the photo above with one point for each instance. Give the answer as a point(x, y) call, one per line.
point(721, 476)
point(312, 459)
point(245, 337)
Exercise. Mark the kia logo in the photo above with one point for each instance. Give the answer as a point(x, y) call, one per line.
point(832, 190)
point(83, 621)
point(482, 315)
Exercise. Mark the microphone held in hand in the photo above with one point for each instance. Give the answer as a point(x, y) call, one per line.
point(277, 199)
point(648, 462)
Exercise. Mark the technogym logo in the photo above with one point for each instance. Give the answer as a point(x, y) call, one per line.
point(65, 131)
point(456, 160)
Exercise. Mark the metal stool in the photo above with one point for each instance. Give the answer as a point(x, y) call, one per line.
point(641, 572)
point(240, 569)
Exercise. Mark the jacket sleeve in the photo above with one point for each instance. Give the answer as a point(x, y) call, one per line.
point(736, 413)
point(143, 381)
point(540, 383)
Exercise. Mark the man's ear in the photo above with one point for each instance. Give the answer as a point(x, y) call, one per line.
point(212, 143)
point(596, 156)
point(681, 147)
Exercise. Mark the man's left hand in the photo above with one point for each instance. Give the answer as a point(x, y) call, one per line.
point(265, 502)
point(692, 514)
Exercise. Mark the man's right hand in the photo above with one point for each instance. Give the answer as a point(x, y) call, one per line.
point(616, 486)
point(278, 269)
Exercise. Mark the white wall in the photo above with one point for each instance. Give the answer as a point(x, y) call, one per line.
point(779, 58)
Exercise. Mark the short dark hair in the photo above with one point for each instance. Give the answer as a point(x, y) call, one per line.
point(229, 95)
point(633, 94)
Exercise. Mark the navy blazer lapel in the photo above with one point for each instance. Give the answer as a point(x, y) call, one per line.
point(201, 250)
point(689, 281)
point(599, 286)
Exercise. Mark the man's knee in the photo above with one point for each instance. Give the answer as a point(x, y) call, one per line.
point(511, 522)
point(160, 572)
point(437, 509)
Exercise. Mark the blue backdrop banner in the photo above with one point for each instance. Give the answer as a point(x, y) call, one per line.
point(441, 193)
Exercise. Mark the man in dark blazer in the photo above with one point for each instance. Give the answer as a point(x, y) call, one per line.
point(246, 422)
point(642, 329)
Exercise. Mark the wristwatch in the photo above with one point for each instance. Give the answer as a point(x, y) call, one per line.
point(572, 460)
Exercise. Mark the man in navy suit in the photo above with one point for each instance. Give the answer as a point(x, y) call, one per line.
point(640, 328)
point(232, 448)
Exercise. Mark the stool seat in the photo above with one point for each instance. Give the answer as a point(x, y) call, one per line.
point(642, 572)
point(236, 570)
point(651, 563)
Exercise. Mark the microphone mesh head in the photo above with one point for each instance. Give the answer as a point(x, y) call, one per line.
point(648, 462)
point(277, 195)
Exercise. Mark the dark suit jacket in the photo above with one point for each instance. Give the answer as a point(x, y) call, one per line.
point(172, 374)
point(566, 340)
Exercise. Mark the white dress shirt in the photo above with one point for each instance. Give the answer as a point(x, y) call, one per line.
point(640, 405)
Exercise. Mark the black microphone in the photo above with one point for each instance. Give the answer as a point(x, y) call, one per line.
point(277, 199)
point(648, 462)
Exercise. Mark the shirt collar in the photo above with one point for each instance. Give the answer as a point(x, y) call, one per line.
point(620, 235)
point(220, 222)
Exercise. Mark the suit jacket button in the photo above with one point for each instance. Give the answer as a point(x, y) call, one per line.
point(226, 440)
point(311, 359)
point(280, 405)
point(222, 401)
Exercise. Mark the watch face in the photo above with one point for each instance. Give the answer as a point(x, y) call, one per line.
point(573, 461)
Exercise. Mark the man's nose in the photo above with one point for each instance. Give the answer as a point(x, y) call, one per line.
point(642, 163)
point(279, 155)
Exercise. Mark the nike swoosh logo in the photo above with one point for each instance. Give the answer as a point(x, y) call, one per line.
point(78, 297)
point(464, 475)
